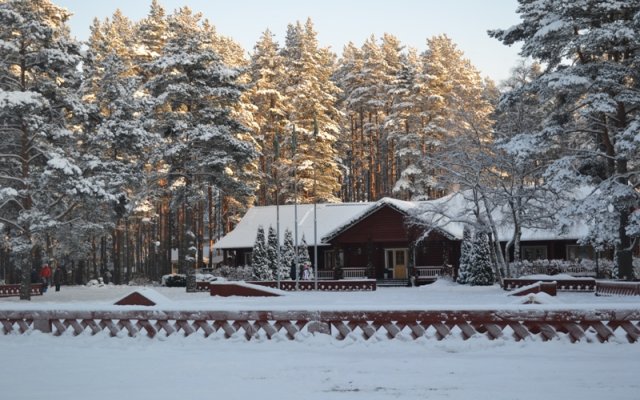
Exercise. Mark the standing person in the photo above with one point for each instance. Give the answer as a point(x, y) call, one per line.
point(45, 275)
point(57, 278)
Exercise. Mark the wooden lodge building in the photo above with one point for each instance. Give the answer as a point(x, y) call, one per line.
point(374, 239)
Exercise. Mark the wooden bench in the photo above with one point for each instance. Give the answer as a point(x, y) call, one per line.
point(14, 290)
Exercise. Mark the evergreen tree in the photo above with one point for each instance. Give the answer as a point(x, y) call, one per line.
point(466, 251)
point(456, 115)
point(196, 95)
point(151, 34)
point(267, 76)
point(303, 252)
point(404, 127)
point(348, 78)
point(41, 115)
point(480, 271)
point(272, 252)
point(288, 256)
point(590, 84)
point(312, 114)
point(259, 258)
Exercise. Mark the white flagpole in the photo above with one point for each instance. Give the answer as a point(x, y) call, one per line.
point(295, 206)
point(278, 258)
point(315, 211)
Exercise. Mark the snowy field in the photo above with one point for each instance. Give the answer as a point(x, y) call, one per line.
point(39, 366)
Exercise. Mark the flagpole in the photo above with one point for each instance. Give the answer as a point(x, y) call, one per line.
point(278, 258)
point(295, 206)
point(315, 210)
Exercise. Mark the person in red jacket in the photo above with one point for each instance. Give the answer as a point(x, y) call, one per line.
point(45, 275)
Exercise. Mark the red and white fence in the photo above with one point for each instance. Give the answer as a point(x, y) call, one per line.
point(538, 325)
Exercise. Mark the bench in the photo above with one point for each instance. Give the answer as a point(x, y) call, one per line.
point(14, 290)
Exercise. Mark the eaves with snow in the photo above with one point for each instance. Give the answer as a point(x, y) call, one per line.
point(446, 215)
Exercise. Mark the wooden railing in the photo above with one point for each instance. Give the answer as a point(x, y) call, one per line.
point(354, 273)
point(324, 285)
point(601, 325)
point(326, 274)
point(14, 290)
point(428, 272)
point(604, 288)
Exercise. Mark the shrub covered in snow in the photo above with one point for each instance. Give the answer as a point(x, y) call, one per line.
point(241, 273)
point(174, 280)
point(604, 268)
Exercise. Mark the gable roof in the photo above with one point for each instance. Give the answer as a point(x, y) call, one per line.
point(402, 207)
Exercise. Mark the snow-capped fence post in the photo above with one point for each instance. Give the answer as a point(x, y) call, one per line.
point(42, 324)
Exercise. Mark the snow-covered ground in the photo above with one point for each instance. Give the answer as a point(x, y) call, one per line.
point(39, 366)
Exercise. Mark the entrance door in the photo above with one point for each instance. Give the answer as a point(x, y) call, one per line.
point(396, 263)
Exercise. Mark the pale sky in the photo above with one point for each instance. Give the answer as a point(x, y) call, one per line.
point(340, 21)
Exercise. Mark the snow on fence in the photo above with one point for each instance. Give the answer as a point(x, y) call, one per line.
point(538, 325)
point(604, 288)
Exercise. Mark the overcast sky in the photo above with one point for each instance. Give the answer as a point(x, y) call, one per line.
point(339, 21)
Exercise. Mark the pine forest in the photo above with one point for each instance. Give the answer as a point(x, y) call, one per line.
point(155, 136)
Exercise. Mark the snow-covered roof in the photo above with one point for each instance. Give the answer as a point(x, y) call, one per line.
point(446, 214)
point(329, 217)
point(399, 205)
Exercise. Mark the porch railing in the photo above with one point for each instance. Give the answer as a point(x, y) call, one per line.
point(325, 274)
point(428, 272)
point(354, 273)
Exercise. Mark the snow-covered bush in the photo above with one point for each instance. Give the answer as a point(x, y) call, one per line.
point(604, 267)
point(174, 280)
point(241, 273)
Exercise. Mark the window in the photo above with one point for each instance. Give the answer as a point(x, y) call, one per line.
point(331, 258)
point(247, 257)
point(576, 252)
point(534, 253)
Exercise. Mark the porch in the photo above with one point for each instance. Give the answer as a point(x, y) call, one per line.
point(421, 274)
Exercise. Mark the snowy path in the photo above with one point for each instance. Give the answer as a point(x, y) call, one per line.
point(66, 368)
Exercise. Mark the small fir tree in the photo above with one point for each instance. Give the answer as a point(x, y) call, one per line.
point(287, 256)
point(272, 251)
point(259, 261)
point(466, 248)
point(480, 271)
point(304, 259)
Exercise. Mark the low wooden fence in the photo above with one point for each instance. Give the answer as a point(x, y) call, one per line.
point(604, 288)
point(354, 273)
point(565, 285)
point(14, 290)
point(539, 325)
point(341, 285)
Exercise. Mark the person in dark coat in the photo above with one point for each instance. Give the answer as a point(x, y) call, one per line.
point(57, 278)
point(35, 276)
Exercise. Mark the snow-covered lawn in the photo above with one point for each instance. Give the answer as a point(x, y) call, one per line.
point(39, 366)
